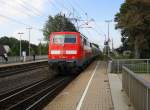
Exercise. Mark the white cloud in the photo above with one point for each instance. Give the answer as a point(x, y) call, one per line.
point(21, 9)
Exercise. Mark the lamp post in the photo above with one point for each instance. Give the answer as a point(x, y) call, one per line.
point(108, 22)
point(40, 46)
point(20, 33)
point(29, 38)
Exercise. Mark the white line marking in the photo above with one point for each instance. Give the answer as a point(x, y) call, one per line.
point(86, 89)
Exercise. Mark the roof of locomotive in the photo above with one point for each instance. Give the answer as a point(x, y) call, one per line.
point(66, 32)
point(69, 32)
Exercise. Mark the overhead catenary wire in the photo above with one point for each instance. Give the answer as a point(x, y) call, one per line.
point(89, 32)
point(81, 9)
point(26, 8)
point(36, 12)
point(18, 22)
point(14, 20)
point(85, 13)
point(14, 8)
point(52, 3)
point(35, 9)
point(76, 18)
point(21, 5)
point(102, 33)
point(64, 8)
point(32, 7)
point(68, 9)
point(80, 15)
point(27, 11)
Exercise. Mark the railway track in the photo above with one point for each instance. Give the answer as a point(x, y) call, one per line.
point(33, 96)
point(7, 71)
point(13, 91)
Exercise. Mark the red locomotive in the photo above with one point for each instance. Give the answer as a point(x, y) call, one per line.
point(69, 50)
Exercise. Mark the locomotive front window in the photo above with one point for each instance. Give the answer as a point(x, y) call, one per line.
point(70, 39)
point(60, 39)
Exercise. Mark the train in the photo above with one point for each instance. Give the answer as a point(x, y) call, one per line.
point(70, 51)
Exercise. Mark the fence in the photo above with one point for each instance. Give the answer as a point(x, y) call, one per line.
point(20, 59)
point(136, 87)
point(115, 66)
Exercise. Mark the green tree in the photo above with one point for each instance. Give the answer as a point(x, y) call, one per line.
point(43, 48)
point(14, 45)
point(56, 24)
point(134, 22)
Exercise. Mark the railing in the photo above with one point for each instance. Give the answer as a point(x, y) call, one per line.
point(115, 66)
point(135, 80)
point(20, 59)
point(139, 67)
point(135, 86)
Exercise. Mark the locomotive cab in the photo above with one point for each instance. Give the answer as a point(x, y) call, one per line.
point(64, 48)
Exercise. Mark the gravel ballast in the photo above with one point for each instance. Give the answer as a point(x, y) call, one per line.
point(22, 79)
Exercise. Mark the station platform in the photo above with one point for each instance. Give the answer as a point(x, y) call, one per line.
point(20, 63)
point(89, 91)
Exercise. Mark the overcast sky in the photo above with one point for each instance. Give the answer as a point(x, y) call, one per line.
point(34, 13)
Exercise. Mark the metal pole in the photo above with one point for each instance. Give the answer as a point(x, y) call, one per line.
point(118, 65)
point(147, 66)
point(40, 49)
point(108, 21)
point(108, 39)
point(147, 99)
point(20, 46)
point(40, 46)
point(112, 45)
point(29, 38)
point(20, 33)
point(108, 29)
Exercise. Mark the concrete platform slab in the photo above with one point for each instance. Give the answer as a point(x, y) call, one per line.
point(89, 91)
point(98, 96)
point(120, 99)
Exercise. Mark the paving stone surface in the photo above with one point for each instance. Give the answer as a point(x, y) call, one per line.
point(98, 96)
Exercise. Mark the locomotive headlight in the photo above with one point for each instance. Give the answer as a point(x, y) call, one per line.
point(71, 52)
point(55, 51)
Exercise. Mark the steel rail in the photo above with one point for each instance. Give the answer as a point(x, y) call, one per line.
point(20, 70)
point(15, 90)
point(24, 103)
point(32, 106)
point(19, 92)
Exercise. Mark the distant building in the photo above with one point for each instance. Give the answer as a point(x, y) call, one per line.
point(2, 50)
